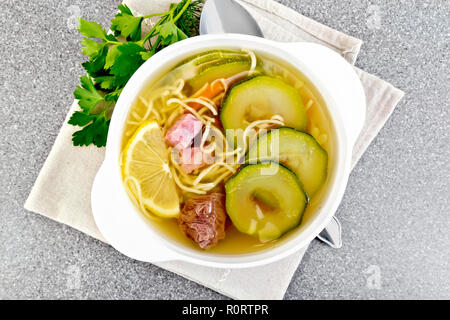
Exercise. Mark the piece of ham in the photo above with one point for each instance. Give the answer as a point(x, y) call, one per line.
point(181, 134)
point(203, 219)
point(194, 158)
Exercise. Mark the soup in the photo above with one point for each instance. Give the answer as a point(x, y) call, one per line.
point(228, 152)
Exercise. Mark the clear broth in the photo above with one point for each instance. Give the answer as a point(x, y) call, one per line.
point(236, 242)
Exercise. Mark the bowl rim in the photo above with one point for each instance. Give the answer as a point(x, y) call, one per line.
point(168, 58)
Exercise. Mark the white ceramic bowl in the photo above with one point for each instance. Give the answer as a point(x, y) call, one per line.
point(124, 227)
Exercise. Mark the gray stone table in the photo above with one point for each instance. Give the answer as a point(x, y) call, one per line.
point(395, 213)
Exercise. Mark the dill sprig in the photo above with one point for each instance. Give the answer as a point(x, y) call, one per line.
point(189, 21)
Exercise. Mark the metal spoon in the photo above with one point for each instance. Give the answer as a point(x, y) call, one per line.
point(228, 16)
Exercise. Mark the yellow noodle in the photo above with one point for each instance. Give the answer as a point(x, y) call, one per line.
point(253, 59)
point(150, 104)
point(209, 104)
point(191, 110)
point(182, 186)
point(206, 118)
point(254, 124)
point(200, 91)
point(309, 104)
point(207, 170)
point(133, 122)
point(205, 136)
point(231, 153)
point(220, 179)
point(175, 114)
point(218, 99)
point(203, 110)
point(136, 115)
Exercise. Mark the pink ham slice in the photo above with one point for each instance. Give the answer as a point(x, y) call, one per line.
point(183, 131)
point(203, 219)
point(194, 158)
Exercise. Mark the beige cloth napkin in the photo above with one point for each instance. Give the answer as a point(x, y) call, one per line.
point(62, 189)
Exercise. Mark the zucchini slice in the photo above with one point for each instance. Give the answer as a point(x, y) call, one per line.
point(217, 69)
point(297, 150)
point(265, 200)
point(214, 55)
point(259, 98)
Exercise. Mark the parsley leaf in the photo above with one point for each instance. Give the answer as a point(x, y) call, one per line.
point(87, 95)
point(95, 133)
point(94, 67)
point(81, 119)
point(91, 29)
point(113, 53)
point(91, 47)
point(95, 125)
point(126, 24)
point(105, 82)
point(168, 32)
point(127, 62)
point(146, 55)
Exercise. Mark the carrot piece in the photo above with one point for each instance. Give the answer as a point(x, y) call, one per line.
point(209, 92)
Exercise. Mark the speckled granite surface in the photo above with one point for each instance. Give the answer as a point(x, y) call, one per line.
point(395, 213)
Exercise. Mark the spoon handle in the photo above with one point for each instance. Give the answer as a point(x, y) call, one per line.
point(331, 235)
point(227, 16)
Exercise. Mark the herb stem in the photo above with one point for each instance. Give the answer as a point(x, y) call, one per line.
point(186, 5)
point(151, 33)
point(113, 42)
point(154, 15)
point(106, 109)
point(169, 15)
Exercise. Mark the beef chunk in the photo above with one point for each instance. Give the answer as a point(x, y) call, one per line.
point(203, 218)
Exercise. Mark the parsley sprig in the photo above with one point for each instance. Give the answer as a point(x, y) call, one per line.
point(115, 57)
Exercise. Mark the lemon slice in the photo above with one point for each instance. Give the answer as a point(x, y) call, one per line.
point(145, 159)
